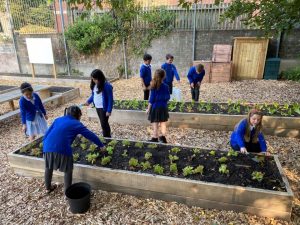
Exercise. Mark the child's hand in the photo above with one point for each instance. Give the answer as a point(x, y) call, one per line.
point(267, 153)
point(243, 150)
point(147, 111)
point(198, 84)
point(46, 117)
point(192, 85)
point(108, 114)
point(23, 127)
point(86, 104)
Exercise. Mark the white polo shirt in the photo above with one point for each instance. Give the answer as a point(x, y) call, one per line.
point(98, 98)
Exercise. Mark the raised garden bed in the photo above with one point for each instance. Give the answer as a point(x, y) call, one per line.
point(280, 120)
point(6, 88)
point(210, 179)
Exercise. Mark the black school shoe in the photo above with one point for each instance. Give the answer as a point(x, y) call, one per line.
point(153, 140)
point(163, 139)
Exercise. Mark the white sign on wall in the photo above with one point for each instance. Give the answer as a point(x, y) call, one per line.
point(40, 50)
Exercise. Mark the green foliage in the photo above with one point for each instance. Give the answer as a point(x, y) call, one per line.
point(84, 140)
point(188, 170)
point(257, 176)
point(223, 169)
point(110, 150)
point(139, 145)
point(175, 150)
point(25, 149)
point(113, 143)
point(196, 151)
point(92, 157)
point(92, 147)
point(199, 169)
point(292, 74)
point(75, 157)
point(133, 162)
point(172, 105)
point(83, 146)
point(41, 145)
point(102, 139)
point(158, 169)
point(173, 158)
point(153, 146)
point(173, 168)
point(124, 154)
point(296, 108)
point(148, 155)
point(212, 153)
point(231, 152)
point(222, 159)
point(105, 160)
point(36, 152)
point(146, 165)
point(126, 143)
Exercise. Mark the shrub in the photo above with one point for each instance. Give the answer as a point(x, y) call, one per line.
point(292, 74)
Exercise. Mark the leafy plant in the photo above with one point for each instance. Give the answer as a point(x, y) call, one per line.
point(231, 152)
point(196, 151)
point(153, 146)
point(126, 143)
point(148, 155)
point(25, 149)
point(133, 162)
point(175, 150)
point(199, 169)
point(212, 152)
point(208, 106)
point(139, 145)
point(173, 158)
point(257, 176)
point(41, 145)
point(271, 110)
point(292, 74)
point(110, 150)
point(92, 157)
point(36, 152)
point(172, 105)
point(92, 147)
point(113, 143)
point(201, 106)
point(146, 165)
point(222, 159)
point(188, 170)
point(181, 106)
point(296, 108)
point(84, 140)
point(102, 139)
point(173, 168)
point(75, 157)
point(83, 146)
point(124, 154)
point(189, 107)
point(105, 160)
point(158, 169)
point(223, 169)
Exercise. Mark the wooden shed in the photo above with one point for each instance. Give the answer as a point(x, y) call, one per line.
point(249, 56)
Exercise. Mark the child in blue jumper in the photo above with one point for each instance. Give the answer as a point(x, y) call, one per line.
point(145, 74)
point(247, 135)
point(33, 113)
point(57, 145)
point(158, 106)
point(171, 71)
point(102, 97)
point(195, 77)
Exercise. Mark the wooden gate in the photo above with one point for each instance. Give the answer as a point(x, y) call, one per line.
point(249, 56)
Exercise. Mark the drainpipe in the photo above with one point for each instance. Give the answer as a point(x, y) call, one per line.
point(279, 38)
point(194, 31)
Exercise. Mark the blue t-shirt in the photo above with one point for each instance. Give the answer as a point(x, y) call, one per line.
point(145, 74)
point(171, 71)
point(195, 77)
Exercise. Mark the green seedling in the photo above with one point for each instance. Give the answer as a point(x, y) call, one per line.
point(181, 106)
point(231, 152)
point(146, 165)
point(257, 176)
point(223, 169)
point(102, 139)
point(83, 146)
point(105, 160)
point(296, 108)
point(125, 154)
point(92, 148)
point(133, 162)
point(110, 150)
point(208, 106)
point(173, 168)
point(175, 150)
point(152, 146)
point(259, 158)
point(201, 105)
point(74, 145)
point(75, 157)
point(199, 169)
point(113, 143)
point(126, 143)
point(139, 145)
point(271, 110)
point(222, 159)
point(148, 155)
point(41, 145)
point(173, 158)
point(84, 140)
point(36, 152)
point(189, 107)
point(172, 105)
point(158, 169)
point(212, 152)
point(92, 157)
point(196, 151)
point(25, 149)
point(188, 170)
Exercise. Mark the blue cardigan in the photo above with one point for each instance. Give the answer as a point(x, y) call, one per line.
point(28, 110)
point(145, 74)
point(61, 134)
point(107, 95)
point(171, 71)
point(159, 98)
point(195, 77)
point(237, 140)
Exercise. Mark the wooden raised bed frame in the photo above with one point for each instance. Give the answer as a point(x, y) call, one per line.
point(193, 193)
point(273, 125)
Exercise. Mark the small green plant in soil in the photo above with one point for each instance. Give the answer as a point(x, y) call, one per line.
point(188, 170)
point(92, 148)
point(146, 165)
point(158, 169)
point(199, 169)
point(257, 176)
point(124, 154)
point(41, 145)
point(75, 157)
point(25, 149)
point(181, 106)
point(105, 160)
point(126, 143)
point(223, 169)
point(231, 152)
point(259, 158)
point(222, 159)
point(173, 158)
point(175, 150)
point(84, 140)
point(148, 155)
point(208, 106)
point(271, 110)
point(172, 105)
point(36, 152)
point(196, 151)
point(92, 157)
point(133, 162)
point(113, 143)
point(139, 145)
point(189, 108)
point(173, 168)
point(296, 108)
point(110, 150)
point(83, 146)
point(102, 139)
point(201, 105)
point(212, 153)
point(74, 145)
point(152, 146)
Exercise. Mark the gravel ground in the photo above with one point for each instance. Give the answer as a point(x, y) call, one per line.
point(23, 200)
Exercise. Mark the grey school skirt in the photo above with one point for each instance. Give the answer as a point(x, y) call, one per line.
point(57, 161)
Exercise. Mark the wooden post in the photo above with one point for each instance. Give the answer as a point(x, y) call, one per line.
point(32, 69)
point(54, 71)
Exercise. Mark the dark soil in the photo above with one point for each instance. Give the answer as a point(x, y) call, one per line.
point(5, 87)
point(214, 108)
point(240, 166)
point(60, 89)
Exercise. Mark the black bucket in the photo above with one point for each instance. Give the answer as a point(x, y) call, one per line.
point(79, 197)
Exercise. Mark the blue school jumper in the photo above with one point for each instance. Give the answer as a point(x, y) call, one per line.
point(159, 98)
point(171, 71)
point(195, 77)
point(107, 95)
point(237, 140)
point(145, 74)
point(61, 134)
